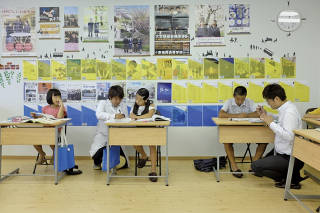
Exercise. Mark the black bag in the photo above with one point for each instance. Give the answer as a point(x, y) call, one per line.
point(206, 165)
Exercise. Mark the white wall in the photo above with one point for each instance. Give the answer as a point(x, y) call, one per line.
point(193, 141)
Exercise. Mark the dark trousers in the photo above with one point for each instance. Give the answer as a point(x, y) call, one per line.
point(276, 167)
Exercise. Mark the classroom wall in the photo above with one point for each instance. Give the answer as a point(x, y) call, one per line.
point(192, 141)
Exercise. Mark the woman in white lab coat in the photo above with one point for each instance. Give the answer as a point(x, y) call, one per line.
point(112, 108)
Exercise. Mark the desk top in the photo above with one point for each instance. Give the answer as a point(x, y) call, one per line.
point(140, 123)
point(311, 134)
point(312, 121)
point(58, 123)
point(228, 122)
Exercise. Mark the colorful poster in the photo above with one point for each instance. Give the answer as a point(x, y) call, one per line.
point(44, 70)
point(301, 91)
point(272, 68)
point(118, 69)
point(171, 30)
point(255, 89)
point(71, 17)
point(43, 89)
point(194, 92)
point(151, 87)
point(164, 68)
point(96, 26)
point(71, 41)
point(49, 14)
point(133, 67)
point(30, 92)
point(104, 70)
point(179, 116)
point(210, 91)
point(225, 91)
point(210, 23)
point(179, 92)
point(288, 86)
point(10, 74)
point(62, 87)
point(164, 92)
point(226, 68)
point(74, 69)
point(74, 92)
point(49, 31)
point(257, 68)
point(88, 69)
point(103, 90)
point(132, 88)
point(148, 69)
point(89, 92)
point(132, 30)
point(195, 66)
point(211, 68)
point(180, 69)
point(18, 32)
point(59, 70)
point(288, 67)
point(239, 18)
point(242, 67)
point(30, 70)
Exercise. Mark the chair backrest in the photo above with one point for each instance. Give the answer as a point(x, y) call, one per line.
point(310, 110)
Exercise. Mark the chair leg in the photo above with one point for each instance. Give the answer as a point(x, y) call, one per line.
point(159, 156)
point(136, 164)
point(247, 151)
point(35, 165)
point(250, 154)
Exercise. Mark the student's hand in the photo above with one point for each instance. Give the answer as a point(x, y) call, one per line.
point(261, 110)
point(268, 119)
point(119, 116)
point(60, 102)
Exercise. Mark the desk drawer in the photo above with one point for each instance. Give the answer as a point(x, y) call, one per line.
point(137, 136)
point(27, 136)
point(307, 151)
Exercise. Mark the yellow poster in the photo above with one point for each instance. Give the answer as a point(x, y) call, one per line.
point(30, 70)
point(118, 69)
point(210, 92)
point(241, 68)
point(133, 69)
point(164, 68)
point(257, 68)
point(288, 67)
point(273, 68)
point(179, 92)
point(301, 91)
point(104, 70)
point(288, 86)
point(238, 83)
point(180, 69)
point(148, 69)
point(211, 68)
point(194, 92)
point(255, 89)
point(59, 70)
point(226, 68)
point(225, 91)
point(195, 69)
point(88, 69)
point(44, 70)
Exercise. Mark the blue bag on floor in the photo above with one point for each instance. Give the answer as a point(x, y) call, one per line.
point(114, 157)
point(65, 154)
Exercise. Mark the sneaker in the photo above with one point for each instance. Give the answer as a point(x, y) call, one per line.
point(96, 167)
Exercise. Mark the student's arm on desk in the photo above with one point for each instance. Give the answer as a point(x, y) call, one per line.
point(223, 114)
point(101, 114)
point(148, 115)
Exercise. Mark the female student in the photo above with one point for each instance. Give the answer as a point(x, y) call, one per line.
point(144, 108)
point(113, 108)
point(55, 108)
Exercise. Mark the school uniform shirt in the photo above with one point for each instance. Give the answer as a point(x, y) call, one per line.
point(141, 109)
point(53, 111)
point(105, 111)
point(231, 107)
point(288, 120)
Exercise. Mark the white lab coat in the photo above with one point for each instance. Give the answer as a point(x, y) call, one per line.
point(105, 111)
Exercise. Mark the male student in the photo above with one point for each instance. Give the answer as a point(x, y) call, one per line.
point(239, 107)
point(275, 166)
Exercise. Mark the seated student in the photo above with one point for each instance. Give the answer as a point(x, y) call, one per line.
point(275, 166)
point(113, 108)
point(313, 114)
point(55, 108)
point(239, 107)
point(144, 108)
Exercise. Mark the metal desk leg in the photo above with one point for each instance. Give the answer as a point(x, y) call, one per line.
point(167, 164)
point(108, 159)
point(287, 193)
point(56, 156)
point(216, 171)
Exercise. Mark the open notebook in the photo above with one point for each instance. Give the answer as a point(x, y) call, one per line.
point(126, 120)
point(252, 120)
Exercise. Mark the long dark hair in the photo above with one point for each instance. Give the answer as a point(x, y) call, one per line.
point(144, 93)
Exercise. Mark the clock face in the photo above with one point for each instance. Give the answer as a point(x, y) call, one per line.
point(289, 20)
